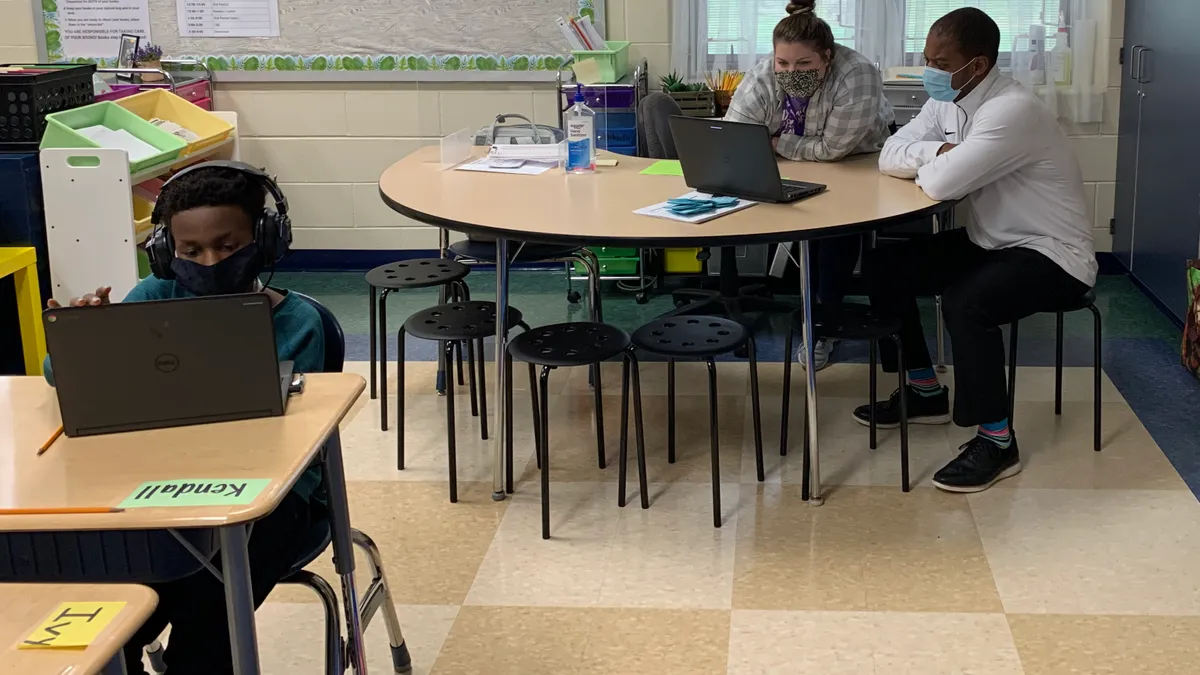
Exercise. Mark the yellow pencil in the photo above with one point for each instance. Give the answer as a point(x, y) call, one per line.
point(50, 441)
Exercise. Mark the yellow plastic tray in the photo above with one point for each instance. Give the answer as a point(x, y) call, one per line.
point(162, 104)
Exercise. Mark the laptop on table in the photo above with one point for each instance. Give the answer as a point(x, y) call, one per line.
point(734, 159)
point(166, 363)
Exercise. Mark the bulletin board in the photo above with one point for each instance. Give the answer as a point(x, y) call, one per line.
point(413, 39)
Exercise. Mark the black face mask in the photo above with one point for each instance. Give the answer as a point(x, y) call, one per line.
point(235, 274)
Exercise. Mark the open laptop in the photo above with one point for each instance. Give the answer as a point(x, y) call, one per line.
point(167, 363)
point(734, 159)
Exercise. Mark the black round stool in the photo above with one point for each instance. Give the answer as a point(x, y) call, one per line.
point(847, 322)
point(566, 345)
point(406, 275)
point(451, 326)
point(702, 337)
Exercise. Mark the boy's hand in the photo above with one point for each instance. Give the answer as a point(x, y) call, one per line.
point(946, 147)
point(100, 297)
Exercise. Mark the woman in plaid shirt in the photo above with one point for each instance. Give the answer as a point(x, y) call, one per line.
point(822, 102)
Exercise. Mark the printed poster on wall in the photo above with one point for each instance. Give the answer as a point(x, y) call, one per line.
point(92, 29)
point(228, 18)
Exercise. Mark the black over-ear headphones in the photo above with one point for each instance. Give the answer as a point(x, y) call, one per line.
point(272, 228)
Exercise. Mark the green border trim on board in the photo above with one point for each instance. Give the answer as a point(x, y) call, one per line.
point(338, 62)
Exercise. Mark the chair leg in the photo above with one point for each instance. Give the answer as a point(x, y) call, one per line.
point(904, 478)
point(601, 460)
point(671, 411)
point(383, 359)
point(1058, 362)
point(757, 410)
point(1097, 403)
point(400, 339)
point(508, 425)
point(1012, 371)
point(623, 445)
point(470, 344)
point(785, 410)
point(714, 441)
point(483, 415)
point(379, 597)
point(872, 388)
point(371, 337)
point(638, 428)
point(334, 645)
point(449, 347)
point(544, 398)
point(537, 415)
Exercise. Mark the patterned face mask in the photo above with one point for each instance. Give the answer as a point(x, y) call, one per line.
point(799, 83)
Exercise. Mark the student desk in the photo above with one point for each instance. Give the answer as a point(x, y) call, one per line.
point(24, 606)
point(102, 470)
point(599, 209)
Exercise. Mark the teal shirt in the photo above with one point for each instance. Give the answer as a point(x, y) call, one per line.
point(299, 338)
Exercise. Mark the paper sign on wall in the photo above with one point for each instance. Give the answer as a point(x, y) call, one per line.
point(195, 492)
point(93, 28)
point(72, 625)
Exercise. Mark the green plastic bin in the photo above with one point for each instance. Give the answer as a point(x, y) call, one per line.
point(612, 266)
point(613, 62)
point(61, 132)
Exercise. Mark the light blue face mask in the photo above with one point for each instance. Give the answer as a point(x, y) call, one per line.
point(939, 83)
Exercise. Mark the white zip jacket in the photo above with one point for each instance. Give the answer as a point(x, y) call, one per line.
point(1012, 165)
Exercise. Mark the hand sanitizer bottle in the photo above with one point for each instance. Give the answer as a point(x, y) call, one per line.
point(581, 136)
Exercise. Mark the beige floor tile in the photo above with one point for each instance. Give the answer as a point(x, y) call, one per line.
point(1106, 645)
point(865, 549)
point(431, 549)
point(292, 637)
point(559, 641)
point(1057, 450)
point(1092, 551)
point(370, 454)
point(1036, 383)
point(870, 643)
point(573, 439)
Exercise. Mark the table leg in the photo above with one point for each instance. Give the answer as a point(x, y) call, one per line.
point(239, 599)
point(502, 370)
point(940, 321)
point(343, 549)
point(810, 373)
point(443, 298)
point(29, 317)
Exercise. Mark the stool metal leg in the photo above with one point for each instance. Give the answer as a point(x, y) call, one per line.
point(537, 415)
point(714, 441)
point(1058, 362)
point(786, 408)
point(623, 445)
point(872, 388)
point(638, 428)
point(371, 336)
point(483, 417)
point(470, 344)
point(400, 403)
point(1012, 371)
point(904, 483)
point(461, 294)
point(449, 348)
point(601, 460)
point(544, 397)
point(757, 410)
point(670, 411)
point(508, 426)
point(1096, 379)
point(383, 359)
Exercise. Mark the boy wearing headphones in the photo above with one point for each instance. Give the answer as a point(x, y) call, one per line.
point(214, 236)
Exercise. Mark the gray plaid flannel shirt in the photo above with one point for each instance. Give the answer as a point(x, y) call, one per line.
point(848, 115)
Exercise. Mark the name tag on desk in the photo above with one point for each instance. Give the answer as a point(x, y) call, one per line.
point(195, 492)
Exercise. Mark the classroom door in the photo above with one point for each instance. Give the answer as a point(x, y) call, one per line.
point(1129, 130)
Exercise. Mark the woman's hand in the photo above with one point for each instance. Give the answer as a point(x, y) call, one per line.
point(100, 297)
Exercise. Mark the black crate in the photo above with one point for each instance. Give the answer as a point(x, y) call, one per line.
point(26, 99)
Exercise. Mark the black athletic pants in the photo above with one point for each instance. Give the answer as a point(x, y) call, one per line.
point(981, 291)
point(195, 606)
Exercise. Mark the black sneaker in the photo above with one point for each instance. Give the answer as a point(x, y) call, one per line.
point(921, 410)
point(980, 464)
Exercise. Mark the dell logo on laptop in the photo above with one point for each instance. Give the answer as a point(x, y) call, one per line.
point(166, 363)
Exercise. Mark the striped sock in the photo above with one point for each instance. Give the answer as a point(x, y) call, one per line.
point(924, 381)
point(997, 432)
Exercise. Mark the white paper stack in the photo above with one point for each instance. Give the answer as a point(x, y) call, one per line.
point(539, 152)
point(663, 210)
point(121, 139)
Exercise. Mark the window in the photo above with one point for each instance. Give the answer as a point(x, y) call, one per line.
point(729, 20)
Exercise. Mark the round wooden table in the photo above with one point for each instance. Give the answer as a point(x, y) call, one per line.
point(598, 209)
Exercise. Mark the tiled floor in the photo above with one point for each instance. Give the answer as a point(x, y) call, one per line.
point(1084, 564)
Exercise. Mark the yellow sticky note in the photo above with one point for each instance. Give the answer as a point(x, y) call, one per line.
point(72, 625)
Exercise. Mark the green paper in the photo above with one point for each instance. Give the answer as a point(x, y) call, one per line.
point(195, 492)
point(664, 167)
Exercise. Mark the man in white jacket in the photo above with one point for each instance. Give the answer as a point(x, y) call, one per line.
point(1027, 247)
